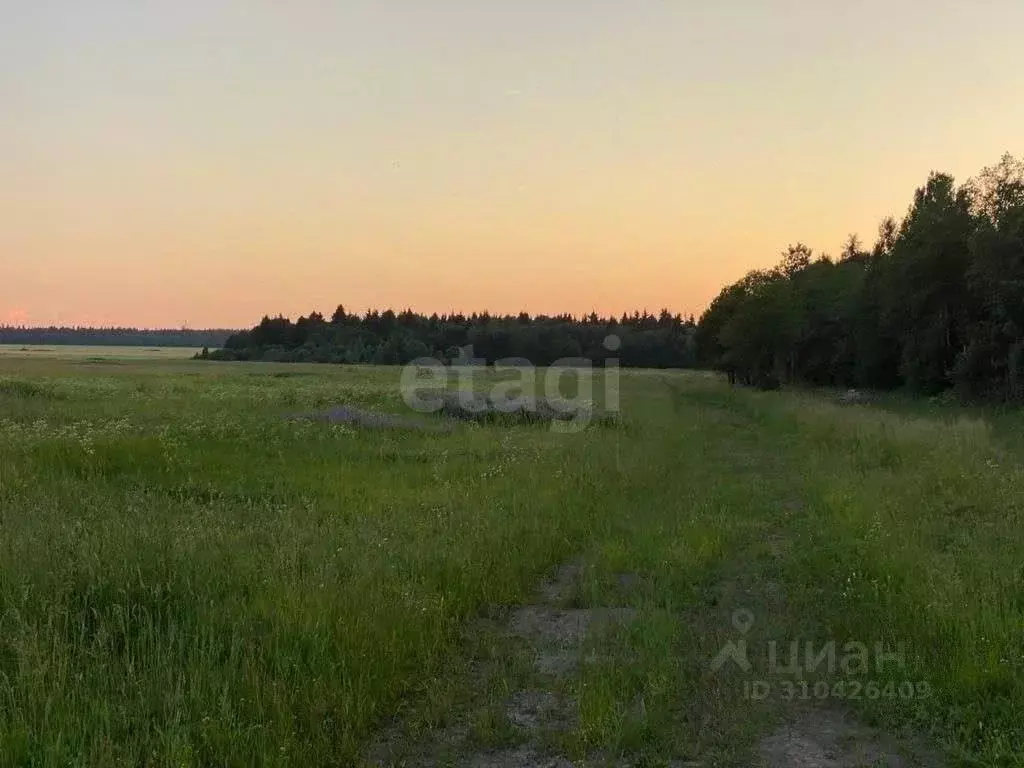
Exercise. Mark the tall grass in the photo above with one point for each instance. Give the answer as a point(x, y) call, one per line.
point(917, 529)
point(187, 577)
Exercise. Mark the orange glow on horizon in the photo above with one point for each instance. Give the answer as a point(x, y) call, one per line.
point(203, 166)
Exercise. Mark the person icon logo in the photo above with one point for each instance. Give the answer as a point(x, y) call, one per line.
point(736, 651)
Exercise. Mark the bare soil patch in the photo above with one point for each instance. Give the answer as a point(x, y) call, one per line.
point(826, 738)
point(555, 636)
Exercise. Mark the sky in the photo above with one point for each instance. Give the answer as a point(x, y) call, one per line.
point(201, 163)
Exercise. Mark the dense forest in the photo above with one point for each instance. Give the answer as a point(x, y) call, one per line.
point(645, 340)
point(114, 337)
point(937, 303)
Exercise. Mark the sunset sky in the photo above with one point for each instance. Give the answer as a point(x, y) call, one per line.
point(202, 163)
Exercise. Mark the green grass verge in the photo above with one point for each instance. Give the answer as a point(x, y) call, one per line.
point(189, 578)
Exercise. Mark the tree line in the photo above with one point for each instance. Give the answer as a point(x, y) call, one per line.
point(935, 304)
point(665, 340)
point(114, 337)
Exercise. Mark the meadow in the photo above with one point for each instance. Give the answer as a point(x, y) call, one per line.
point(86, 353)
point(190, 578)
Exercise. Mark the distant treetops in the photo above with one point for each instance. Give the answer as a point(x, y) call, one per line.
point(653, 341)
point(114, 337)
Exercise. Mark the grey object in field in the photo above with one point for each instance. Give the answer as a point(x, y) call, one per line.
point(465, 407)
point(852, 397)
point(373, 419)
point(475, 406)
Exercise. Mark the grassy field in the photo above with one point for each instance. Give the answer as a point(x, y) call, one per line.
point(187, 577)
point(78, 352)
